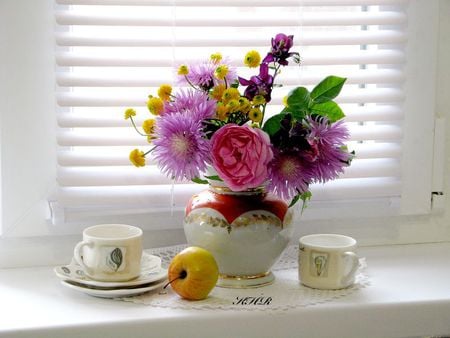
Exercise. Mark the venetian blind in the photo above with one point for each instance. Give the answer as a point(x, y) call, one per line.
point(111, 54)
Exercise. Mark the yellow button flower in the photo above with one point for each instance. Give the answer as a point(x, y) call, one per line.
point(222, 112)
point(233, 106)
point(164, 92)
point(149, 126)
point(252, 59)
point(183, 70)
point(244, 104)
point(230, 94)
point(129, 113)
point(258, 100)
point(255, 115)
point(137, 157)
point(285, 103)
point(221, 71)
point(217, 92)
point(155, 105)
point(216, 58)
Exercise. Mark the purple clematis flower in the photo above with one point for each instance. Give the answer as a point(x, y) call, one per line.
point(259, 84)
point(281, 45)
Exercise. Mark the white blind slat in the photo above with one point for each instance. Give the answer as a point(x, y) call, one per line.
point(88, 159)
point(149, 59)
point(95, 79)
point(341, 38)
point(160, 195)
point(264, 20)
point(127, 175)
point(114, 117)
point(91, 137)
point(234, 3)
point(379, 95)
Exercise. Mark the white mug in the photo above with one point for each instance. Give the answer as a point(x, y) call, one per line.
point(327, 261)
point(110, 252)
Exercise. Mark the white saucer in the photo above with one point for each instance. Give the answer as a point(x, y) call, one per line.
point(151, 271)
point(113, 293)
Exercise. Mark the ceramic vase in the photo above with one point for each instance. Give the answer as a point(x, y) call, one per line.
point(245, 231)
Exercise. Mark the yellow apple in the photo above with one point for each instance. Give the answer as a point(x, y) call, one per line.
point(193, 273)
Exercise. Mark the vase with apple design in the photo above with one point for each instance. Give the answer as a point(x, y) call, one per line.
point(246, 232)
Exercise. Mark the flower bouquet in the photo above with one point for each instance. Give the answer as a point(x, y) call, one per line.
point(218, 120)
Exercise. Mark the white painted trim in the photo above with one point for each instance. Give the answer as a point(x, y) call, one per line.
point(420, 93)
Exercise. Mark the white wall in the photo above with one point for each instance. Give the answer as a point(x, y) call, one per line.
point(28, 178)
point(28, 86)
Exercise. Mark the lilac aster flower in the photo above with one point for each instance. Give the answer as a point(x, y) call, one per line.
point(259, 84)
point(281, 45)
point(194, 103)
point(327, 141)
point(289, 175)
point(201, 74)
point(180, 149)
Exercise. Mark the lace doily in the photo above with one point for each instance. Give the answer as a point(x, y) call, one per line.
point(284, 294)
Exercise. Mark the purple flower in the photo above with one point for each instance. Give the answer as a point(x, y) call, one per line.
point(180, 149)
point(192, 102)
point(201, 74)
point(281, 45)
point(289, 175)
point(259, 84)
point(328, 154)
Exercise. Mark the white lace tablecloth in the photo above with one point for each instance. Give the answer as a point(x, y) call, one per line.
point(284, 294)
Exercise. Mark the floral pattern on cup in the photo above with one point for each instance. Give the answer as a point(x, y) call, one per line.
point(319, 264)
point(115, 259)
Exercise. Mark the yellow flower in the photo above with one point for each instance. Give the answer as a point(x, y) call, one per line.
point(216, 58)
point(258, 100)
point(155, 105)
point(137, 157)
point(183, 70)
point(217, 91)
point(255, 115)
point(149, 126)
point(221, 71)
point(285, 101)
point(222, 112)
point(244, 104)
point(230, 94)
point(164, 92)
point(233, 106)
point(129, 113)
point(252, 59)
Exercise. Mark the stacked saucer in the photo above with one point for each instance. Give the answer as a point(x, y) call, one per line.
point(152, 277)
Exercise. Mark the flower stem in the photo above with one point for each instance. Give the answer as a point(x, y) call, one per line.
point(137, 130)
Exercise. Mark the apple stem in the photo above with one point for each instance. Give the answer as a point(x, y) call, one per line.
point(182, 275)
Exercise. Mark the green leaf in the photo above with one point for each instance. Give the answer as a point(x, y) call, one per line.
point(199, 180)
point(213, 178)
point(329, 109)
point(273, 124)
point(294, 200)
point(327, 89)
point(306, 196)
point(299, 99)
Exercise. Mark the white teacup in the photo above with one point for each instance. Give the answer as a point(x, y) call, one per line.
point(110, 252)
point(327, 261)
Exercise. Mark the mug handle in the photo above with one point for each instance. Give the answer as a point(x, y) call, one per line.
point(355, 265)
point(79, 257)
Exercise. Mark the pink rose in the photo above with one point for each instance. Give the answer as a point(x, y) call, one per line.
point(240, 155)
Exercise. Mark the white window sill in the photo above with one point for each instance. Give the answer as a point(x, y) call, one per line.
point(408, 296)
